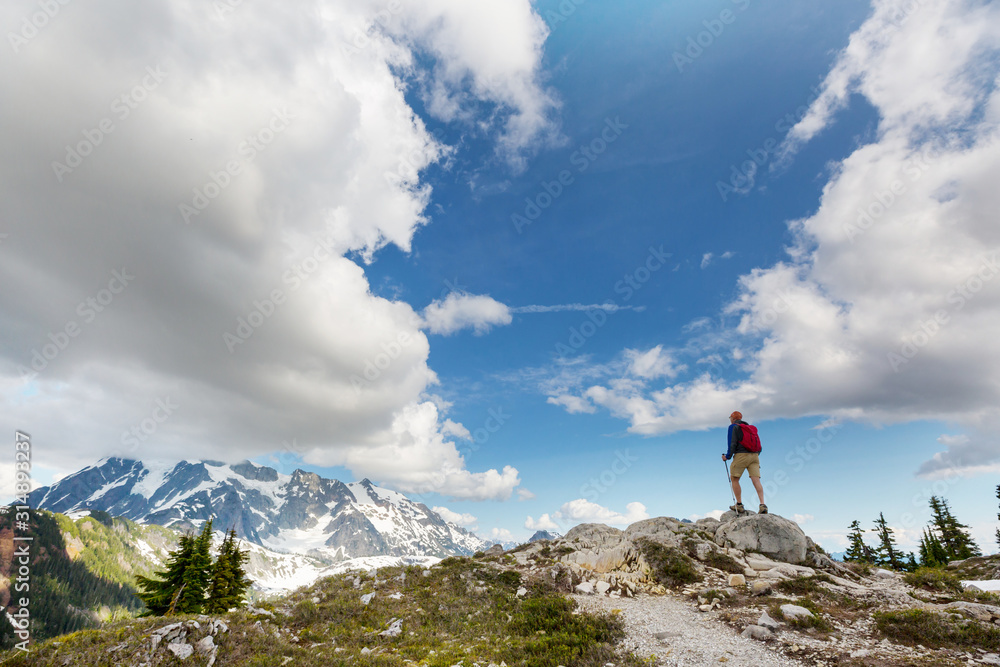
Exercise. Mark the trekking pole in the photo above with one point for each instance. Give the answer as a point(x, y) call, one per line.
point(729, 481)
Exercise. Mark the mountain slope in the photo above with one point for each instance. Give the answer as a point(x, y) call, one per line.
point(300, 513)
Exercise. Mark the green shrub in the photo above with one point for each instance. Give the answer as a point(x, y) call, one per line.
point(724, 562)
point(918, 626)
point(804, 585)
point(671, 567)
point(934, 579)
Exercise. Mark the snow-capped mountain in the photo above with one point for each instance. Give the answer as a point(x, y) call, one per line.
point(299, 513)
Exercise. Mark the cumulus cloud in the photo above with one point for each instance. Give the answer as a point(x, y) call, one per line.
point(885, 308)
point(582, 510)
point(465, 311)
point(465, 520)
point(802, 518)
point(501, 535)
point(193, 220)
point(544, 522)
point(714, 514)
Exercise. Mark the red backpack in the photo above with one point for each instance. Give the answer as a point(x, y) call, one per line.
point(750, 440)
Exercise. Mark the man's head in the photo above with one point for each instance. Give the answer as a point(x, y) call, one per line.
point(735, 417)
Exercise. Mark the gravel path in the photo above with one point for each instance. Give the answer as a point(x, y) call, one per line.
point(694, 638)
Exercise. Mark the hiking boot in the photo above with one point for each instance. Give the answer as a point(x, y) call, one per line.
point(763, 509)
point(738, 508)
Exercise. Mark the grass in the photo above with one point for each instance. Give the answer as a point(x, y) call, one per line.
point(670, 566)
point(917, 626)
point(935, 579)
point(465, 611)
point(804, 585)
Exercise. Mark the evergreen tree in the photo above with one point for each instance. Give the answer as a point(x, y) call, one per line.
point(229, 581)
point(886, 551)
point(858, 551)
point(953, 535)
point(159, 593)
point(932, 553)
point(998, 516)
point(180, 589)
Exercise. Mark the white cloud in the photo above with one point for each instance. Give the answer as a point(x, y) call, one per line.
point(885, 309)
point(573, 404)
point(325, 363)
point(714, 514)
point(465, 520)
point(524, 495)
point(706, 259)
point(802, 518)
point(585, 511)
point(501, 535)
point(544, 522)
point(465, 311)
point(651, 364)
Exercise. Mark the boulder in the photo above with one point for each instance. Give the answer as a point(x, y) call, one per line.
point(756, 632)
point(737, 580)
point(591, 535)
point(586, 588)
point(979, 612)
point(793, 612)
point(731, 515)
point(761, 588)
point(765, 621)
point(769, 534)
point(602, 587)
point(495, 550)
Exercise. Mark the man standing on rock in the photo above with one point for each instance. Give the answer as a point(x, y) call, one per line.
point(745, 456)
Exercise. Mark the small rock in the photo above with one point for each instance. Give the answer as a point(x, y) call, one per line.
point(396, 596)
point(793, 612)
point(522, 591)
point(426, 573)
point(861, 653)
point(366, 598)
point(365, 651)
point(586, 588)
point(737, 580)
point(205, 645)
point(756, 632)
point(663, 636)
point(182, 650)
point(705, 607)
point(394, 630)
point(886, 574)
point(990, 659)
point(602, 587)
point(761, 588)
point(766, 621)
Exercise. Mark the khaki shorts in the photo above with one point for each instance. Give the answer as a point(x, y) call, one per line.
point(745, 461)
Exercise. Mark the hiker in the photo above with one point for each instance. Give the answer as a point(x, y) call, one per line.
point(744, 448)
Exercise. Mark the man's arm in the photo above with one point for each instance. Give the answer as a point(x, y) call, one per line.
point(731, 443)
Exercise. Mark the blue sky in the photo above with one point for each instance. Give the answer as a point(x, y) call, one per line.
point(612, 333)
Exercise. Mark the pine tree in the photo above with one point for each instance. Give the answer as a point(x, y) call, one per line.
point(998, 516)
point(953, 535)
point(180, 589)
point(159, 593)
point(858, 551)
point(229, 581)
point(886, 551)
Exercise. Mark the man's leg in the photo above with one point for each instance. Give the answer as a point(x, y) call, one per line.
point(760, 489)
point(737, 491)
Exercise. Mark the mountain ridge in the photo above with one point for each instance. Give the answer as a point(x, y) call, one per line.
point(299, 513)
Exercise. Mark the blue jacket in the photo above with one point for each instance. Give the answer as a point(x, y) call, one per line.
point(734, 439)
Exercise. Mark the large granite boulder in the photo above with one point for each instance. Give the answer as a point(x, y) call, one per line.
point(768, 534)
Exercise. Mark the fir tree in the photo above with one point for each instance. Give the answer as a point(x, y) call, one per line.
point(159, 593)
point(180, 589)
point(229, 581)
point(953, 535)
point(858, 551)
point(887, 553)
point(932, 553)
point(998, 516)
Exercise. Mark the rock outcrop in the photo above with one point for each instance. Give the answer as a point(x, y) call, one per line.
point(769, 534)
point(749, 547)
